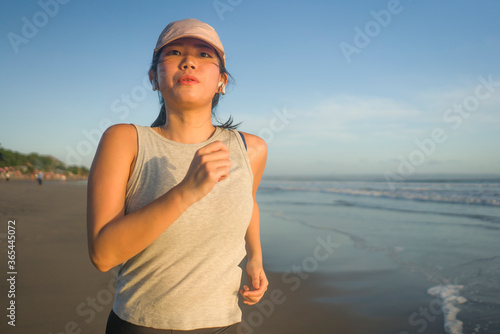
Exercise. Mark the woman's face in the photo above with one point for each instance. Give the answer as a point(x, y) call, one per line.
point(188, 73)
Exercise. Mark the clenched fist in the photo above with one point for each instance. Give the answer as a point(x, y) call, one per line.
point(210, 165)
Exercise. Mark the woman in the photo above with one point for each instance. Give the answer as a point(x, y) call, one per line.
point(173, 205)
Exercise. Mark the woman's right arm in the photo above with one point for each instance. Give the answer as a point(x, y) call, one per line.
point(114, 237)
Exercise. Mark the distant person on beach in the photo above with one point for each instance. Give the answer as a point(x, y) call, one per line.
point(40, 178)
point(7, 176)
point(173, 204)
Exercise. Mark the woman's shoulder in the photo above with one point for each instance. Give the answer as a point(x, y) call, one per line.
point(255, 143)
point(257, 153)
point(120, 136)
point(121, 130)
point(118, 147)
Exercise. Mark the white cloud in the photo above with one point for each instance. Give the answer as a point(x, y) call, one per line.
point(348, 118)
point(343, 119)
point(342, 129)
point(436, 102)
point(341, 109)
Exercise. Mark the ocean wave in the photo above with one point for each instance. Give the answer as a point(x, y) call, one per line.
point(480, 217)
point(450, 296)
point(484, 218)
point(464, 193)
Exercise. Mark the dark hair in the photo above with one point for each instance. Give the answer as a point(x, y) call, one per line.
point(162, 117)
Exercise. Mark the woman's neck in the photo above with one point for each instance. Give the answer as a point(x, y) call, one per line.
point(187, 128)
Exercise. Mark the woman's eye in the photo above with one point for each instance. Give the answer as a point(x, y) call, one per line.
point(173, 52)
point(205, 55)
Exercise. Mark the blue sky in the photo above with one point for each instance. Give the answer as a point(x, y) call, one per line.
point(365, 87)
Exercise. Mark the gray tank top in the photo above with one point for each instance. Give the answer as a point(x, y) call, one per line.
point(189, 277)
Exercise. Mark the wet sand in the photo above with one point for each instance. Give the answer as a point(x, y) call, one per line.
point(57, 290)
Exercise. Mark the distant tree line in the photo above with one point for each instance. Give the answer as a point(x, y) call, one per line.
point(33, 161)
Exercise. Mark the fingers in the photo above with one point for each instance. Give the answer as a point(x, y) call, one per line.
point(218, 169)
point(259, 282)
point(210, 165)
point(254, 296)
point(215, 153)
point(256, 282)
point(248, 296)
point(213, 147)
point(215, 158)
point(206, 156)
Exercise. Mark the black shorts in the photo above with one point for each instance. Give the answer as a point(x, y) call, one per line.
point(116, 325)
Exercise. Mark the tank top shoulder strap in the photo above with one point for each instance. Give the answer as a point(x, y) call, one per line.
point(244, 141)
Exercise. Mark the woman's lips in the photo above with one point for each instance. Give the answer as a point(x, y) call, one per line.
point(188, 80)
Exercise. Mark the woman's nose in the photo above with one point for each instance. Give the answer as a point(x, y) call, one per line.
point(188, 62)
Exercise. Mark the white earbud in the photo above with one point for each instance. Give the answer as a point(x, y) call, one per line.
point(222, 87)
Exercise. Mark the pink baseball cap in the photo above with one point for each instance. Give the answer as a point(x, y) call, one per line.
point(190, 28)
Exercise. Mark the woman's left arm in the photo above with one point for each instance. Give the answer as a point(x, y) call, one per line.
point(257, 154)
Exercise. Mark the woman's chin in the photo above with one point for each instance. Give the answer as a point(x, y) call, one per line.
point(189, 99)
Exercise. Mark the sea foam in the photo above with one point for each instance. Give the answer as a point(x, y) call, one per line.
point(450, 295)
point(459, 193)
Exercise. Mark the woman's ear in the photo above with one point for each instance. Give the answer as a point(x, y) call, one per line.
point(221, 88)
point(224, 78)
point(152, 79)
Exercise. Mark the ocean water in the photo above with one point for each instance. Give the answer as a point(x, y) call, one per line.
point(426, 251)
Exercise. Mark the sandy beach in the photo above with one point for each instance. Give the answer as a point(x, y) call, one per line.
point(313, 289)
point(57, 290)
